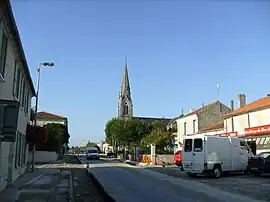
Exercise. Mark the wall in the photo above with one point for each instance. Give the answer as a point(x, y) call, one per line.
point(167, 158)
point(43, 122)
point(248, 120)
point(43, 156)
point(189, 126)
point(251, 119)
point(214, 132)
point(212, 114)
point(6, 92)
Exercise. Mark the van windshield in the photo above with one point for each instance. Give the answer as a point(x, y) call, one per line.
point(188, 145)
point(198, 145)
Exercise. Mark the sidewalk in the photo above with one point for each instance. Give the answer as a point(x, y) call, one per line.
point(45, 184)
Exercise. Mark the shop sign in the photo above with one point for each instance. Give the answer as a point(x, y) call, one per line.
point(259, 130)
point(231, 134)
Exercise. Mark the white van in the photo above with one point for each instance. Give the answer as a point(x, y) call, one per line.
point(92, 153)
point(212, 155)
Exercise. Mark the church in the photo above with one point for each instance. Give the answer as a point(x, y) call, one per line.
point(125, 105)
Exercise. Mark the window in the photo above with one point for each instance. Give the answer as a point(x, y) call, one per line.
point(21, 89)
point(15, 78)
point(3, 50)
point(126, 109)
point(23, 149)
point(185, 128)
point(23, 94)
point(26, 100)
point(198, 145)
point(194, 126)
point(18, 81)
point(188, 145)
point(17, 151)
point(20, 150)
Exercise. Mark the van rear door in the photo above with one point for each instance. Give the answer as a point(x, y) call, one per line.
point(187, 154)
point(198, 155)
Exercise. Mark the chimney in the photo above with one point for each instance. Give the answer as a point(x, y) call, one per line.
point(232, 105)
point(191, 110)
point(241, 100)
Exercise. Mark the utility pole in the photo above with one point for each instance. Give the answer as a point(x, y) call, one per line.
point(44, 64)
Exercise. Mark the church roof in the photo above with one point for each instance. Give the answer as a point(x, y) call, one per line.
point(150, 120)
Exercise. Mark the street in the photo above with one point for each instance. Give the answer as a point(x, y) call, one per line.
point(126, 183)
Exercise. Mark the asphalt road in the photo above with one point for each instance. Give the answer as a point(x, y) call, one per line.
point(126, 183)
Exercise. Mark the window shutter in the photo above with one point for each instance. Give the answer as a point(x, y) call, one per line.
point(1, 34)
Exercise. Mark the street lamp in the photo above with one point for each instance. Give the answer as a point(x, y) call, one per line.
point(42, 64)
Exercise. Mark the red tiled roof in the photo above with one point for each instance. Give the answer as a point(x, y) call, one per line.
point(49, 115)
point(215, 126)
point(200, 109)
point(261, 103)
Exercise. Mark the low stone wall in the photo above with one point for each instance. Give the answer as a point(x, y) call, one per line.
point(167, 158)
point(43, 156)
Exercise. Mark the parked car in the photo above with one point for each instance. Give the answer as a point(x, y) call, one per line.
point(177, 159)
point(259, 164)
point(92, 153)
point(214, 155)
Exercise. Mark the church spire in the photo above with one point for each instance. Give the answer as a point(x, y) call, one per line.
point(125, 88)
point(125, 107)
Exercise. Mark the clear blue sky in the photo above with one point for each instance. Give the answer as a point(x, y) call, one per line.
point(177, 52)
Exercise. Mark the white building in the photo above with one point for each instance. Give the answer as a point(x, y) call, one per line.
point(200, 119)
point(16, 90)
point(251, 121)
point(44, 118)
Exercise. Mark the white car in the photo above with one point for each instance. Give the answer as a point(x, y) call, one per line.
point(92, 153)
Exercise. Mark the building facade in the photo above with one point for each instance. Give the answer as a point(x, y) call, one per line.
point(44, 118)
point(251, 122)
point(16, 89)
point(200, 119)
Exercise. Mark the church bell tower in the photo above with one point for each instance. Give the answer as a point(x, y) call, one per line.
point(125, 107)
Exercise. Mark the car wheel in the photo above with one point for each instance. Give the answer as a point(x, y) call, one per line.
point(216, 172)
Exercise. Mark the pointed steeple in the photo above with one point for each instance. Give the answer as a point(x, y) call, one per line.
point(125, 106)
point(125, 88)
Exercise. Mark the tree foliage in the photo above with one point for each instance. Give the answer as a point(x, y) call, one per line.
point(123, 133)
point(160, 136)
point(56, 136)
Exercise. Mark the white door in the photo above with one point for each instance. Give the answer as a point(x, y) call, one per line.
point(198, 154)
point(187, 157)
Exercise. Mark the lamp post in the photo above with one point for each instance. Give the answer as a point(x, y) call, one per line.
point(43, 64)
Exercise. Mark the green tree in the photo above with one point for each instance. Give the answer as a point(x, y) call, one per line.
point(56, 136)
point(123, 133)
point(162, 138)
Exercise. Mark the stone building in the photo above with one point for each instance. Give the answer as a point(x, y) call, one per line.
point(201, 119)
